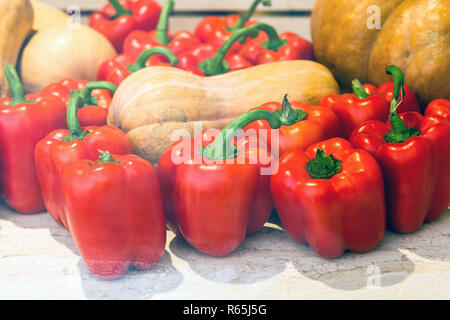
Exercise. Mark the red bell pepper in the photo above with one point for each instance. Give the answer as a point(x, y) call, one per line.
point(413, 152)
point(62, 146)
point(216, 193)
point(119, 68)
point(355, 108)
point(439, 108)
point(367, 102)
point(316, 124)
point(294, 48)
point(223, 61)
point(120, 17)
point(216, 30)
point(115, 213)
point(23, 122)
point(331, 197)
point(139, 41)
point(97, 94)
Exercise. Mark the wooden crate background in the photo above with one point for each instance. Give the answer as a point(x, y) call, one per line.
point(285, 15)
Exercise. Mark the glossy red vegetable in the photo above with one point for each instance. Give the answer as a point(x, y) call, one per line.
point(214, 193)
point(62, 146)
point(138, 41)
point(120, 67)
point(331, 197)
point(223, 61)
point(120, 17)
point(413, 152)
point(365, 103)
point(115, 214)
point(439, 108)
point(293, 47)
point(98, 96)
point(316, 124)
point(216, 30)
point(409, 103)
point(23, 122)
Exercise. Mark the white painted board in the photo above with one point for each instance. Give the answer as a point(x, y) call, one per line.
point(200, 5)
point(38, 260)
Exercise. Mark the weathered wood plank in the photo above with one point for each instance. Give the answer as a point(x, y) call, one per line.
point(200, 5)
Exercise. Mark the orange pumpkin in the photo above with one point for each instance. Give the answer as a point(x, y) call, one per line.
point(414, 35)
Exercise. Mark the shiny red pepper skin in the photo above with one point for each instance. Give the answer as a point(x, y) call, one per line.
point(177, 43)
point(354, 111)
point(216, 30)
point(439, 108)
point(346, 211)
point(191, 59)
point(52, 153)
point(21, 127)
point(115, 70)
point(24, 120)
point(416, 172)
point(409, 103)
point(139, 41)
point(144, 16)
point(296, 48)
point(320, 124)
point(91, 115)
point(114, 213)
point(122, 66)
point(184, 203)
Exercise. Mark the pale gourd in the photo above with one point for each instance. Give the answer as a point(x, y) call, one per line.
point(63, 51)
point(151, 104)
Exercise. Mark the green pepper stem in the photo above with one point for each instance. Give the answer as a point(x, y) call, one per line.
point(163, 23)
point(15, 86)
point(85, 94)
point(217, 64)
point(358, 89)
point(400, 131)
point(399, 91)
point(105, 157)
point(143, 57)
point(120, 10)
point(222, 149)
point(75, 131)
point(245, 17)
point(323, 166)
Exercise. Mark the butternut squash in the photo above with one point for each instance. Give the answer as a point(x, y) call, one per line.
point(153, 102)
point(16, 20)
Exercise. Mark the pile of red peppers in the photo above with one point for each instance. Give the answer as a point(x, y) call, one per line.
point(218, 44)
point(337, 174)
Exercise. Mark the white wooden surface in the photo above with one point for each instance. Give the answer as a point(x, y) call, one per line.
point(201, 5)
point(38, 260)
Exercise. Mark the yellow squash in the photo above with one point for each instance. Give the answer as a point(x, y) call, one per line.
point(16, 20)
point(154, 102)
point(46, 16)
point(359, 38)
